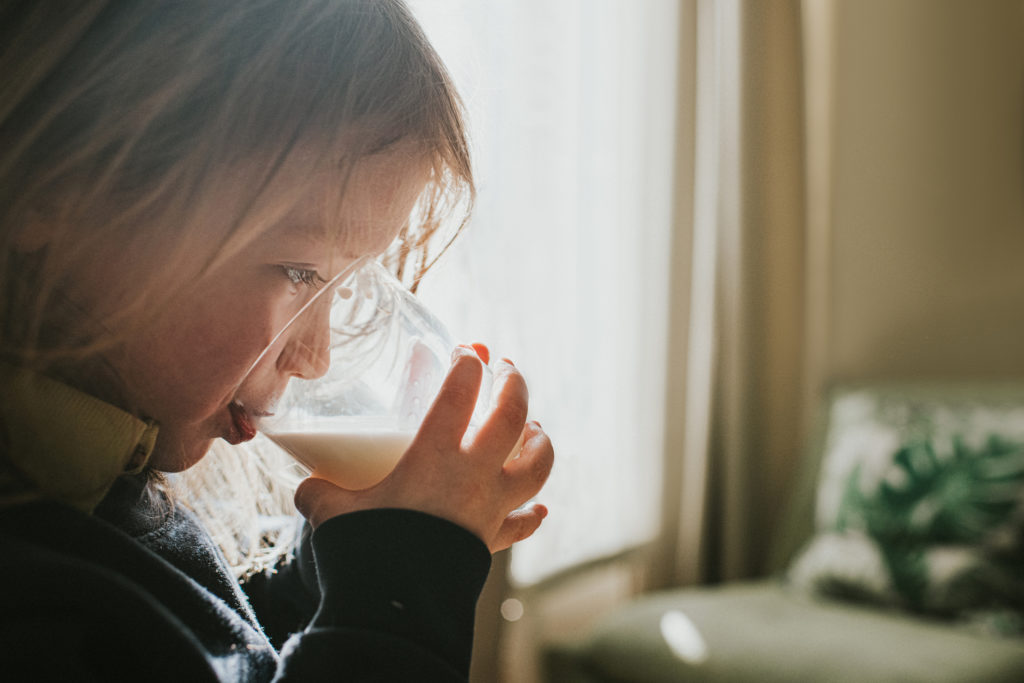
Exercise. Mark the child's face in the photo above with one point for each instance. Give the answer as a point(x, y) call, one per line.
point(189, 371)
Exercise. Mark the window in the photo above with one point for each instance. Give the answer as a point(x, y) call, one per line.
point(564, 265)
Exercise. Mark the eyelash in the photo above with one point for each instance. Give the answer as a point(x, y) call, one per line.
point(303, 276)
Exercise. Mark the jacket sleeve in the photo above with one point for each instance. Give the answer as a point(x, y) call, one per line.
point(286, 597)
point(398, 598)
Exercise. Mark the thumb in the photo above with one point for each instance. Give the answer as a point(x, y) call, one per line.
point(318, 500)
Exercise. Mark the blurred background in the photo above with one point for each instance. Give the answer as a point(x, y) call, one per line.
point(694, 216)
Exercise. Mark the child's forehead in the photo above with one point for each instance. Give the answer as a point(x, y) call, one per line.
point(307, 238)
point(317, 211)
point(366, 185)
point(348, 217)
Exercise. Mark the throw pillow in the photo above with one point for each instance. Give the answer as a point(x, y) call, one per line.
point(921, 506)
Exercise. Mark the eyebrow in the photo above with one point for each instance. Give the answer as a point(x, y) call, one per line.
point(315, 236)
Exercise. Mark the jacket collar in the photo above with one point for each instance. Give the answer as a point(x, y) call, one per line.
point(59, 443)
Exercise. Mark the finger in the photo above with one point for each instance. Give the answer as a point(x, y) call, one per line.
point(519, 524)
point(318, 500)
point(528, 472)
point(510, 399)
point(482, 351)
point(452, 409)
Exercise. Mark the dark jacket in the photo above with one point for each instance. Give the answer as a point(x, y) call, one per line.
point(138, 591)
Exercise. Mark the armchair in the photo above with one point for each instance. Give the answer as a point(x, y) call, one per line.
point(908, 562)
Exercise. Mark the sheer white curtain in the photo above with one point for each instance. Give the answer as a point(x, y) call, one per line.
point(564, 265)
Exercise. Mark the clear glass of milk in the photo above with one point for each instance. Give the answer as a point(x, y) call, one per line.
point(388, 357)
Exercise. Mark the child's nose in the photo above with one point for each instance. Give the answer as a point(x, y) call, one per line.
point(306, 353)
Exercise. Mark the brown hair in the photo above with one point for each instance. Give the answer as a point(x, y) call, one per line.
point(121, 120)
point(118, 120)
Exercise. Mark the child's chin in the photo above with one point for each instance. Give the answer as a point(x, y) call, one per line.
point(176, 456)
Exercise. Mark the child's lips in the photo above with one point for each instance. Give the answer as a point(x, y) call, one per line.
point(242, 426)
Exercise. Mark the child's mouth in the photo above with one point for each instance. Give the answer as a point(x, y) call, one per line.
point(242, 427)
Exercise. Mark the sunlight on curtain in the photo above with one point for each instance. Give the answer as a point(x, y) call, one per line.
point(564, 266)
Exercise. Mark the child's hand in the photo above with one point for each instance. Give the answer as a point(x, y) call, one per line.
point(472, 485)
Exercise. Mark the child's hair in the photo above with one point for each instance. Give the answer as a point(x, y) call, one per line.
point(121, 122)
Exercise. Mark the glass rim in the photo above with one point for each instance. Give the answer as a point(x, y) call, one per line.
point(329, 286)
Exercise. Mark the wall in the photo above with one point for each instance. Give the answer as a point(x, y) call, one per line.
point(926, 242)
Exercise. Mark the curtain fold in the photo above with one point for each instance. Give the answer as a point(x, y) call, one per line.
point(745, 314)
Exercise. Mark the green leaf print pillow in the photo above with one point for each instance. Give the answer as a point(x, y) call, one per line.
point(921, 505)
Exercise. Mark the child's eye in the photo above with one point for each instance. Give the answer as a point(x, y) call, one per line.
point(303, 276)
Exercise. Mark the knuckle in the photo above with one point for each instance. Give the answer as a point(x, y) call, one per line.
point(459, 395)
point(514, 414)
point(462, 384)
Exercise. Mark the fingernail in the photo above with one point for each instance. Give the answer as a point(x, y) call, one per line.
point(472, 348)
point(482, 352)
point(506, 360)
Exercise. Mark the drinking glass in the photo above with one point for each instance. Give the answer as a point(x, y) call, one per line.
point(388, 357)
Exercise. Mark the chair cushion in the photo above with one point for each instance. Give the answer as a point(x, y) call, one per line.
point(921, 504)
point(765, 631)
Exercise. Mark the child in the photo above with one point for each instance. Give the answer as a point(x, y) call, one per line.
point(178, 178)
